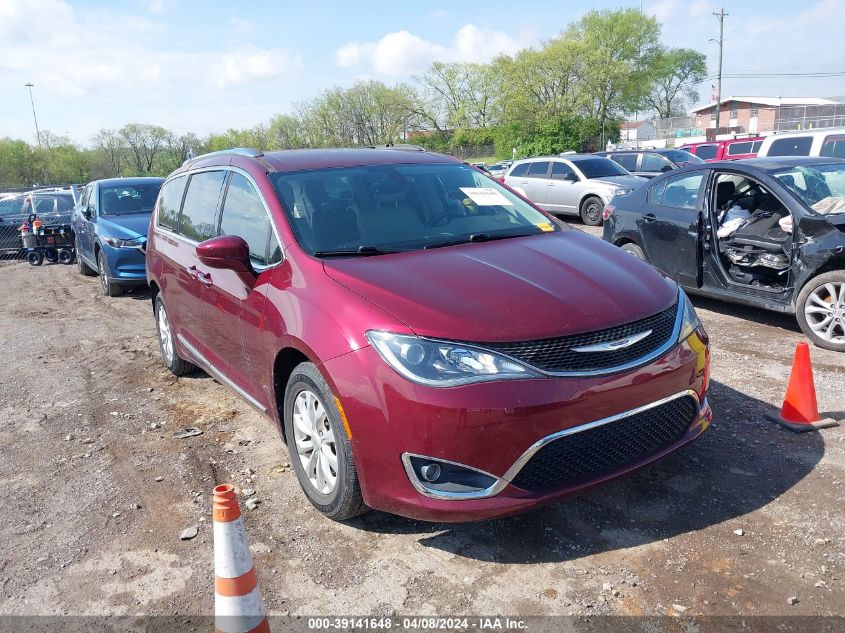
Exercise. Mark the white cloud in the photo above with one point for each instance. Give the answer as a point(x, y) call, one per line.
point(156, 6)
point(79, 58)
point(401, 53)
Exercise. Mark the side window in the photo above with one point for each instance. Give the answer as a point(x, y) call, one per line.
point(169, 201)
point(833, 147)
point(706, 152)
point(655, 163)
point(681, 192)
point(44, 204)
point(739, 148)
point(560, 171)
point(244, 215)
point(520, 170)
point(628, 161)
point(64, 204)
point(83, 199)
point(199, 211)
point(797, 146)
point(10, 206)
point(538, 169)
point(755, 146)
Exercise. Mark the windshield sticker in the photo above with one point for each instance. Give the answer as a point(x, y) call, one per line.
point(545, 226)
point(486, 197)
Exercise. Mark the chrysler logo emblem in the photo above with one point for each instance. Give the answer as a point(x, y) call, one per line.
point(622, 343)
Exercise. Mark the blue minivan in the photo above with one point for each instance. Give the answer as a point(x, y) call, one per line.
point(110, 222)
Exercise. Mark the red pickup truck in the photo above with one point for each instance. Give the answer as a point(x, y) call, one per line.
point(732, 149)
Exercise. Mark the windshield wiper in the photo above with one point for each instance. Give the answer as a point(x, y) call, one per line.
point(361, 251)
point(480, 237)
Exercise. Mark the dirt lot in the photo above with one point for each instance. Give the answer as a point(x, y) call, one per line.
point(97, 491)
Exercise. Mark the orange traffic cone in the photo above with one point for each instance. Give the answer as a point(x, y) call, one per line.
point(238, 605)
point(800, 410)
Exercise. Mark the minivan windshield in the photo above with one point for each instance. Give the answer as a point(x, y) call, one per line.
point(378, 209)
point(599, 167)
point(125, 199)
point(820, 187)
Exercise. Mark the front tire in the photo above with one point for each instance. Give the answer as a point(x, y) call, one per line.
point(820, 310)
point(167, 342)
point(320, 451)
point(633, 249)
point(591, 210)
point(107, 287)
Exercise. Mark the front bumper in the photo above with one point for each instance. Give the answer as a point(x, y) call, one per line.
point(126, 265)
point(497, 427)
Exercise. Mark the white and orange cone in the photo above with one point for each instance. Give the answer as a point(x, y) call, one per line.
point(238, 605)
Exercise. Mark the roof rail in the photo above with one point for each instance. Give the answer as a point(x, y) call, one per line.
point(405, 146)
point(237, 151)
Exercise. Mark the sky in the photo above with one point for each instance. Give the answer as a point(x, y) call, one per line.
point(209, 66)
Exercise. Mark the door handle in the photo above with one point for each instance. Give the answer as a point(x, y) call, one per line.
point(192, 271)
point(204, 279)
point(649, 217)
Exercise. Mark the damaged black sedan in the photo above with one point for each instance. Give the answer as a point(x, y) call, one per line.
point(767, 232)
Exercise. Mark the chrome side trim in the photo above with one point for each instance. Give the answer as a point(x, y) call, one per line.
point(420, 486)
point(519, 464)
point(220, 375)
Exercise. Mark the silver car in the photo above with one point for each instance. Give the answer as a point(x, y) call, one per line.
point(577, 184)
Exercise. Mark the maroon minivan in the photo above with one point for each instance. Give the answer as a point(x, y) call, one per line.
point(427, 341)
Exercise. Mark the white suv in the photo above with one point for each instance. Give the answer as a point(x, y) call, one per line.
point(828, 142)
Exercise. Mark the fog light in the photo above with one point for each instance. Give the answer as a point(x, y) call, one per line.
point(430, 472)
point(447, 480)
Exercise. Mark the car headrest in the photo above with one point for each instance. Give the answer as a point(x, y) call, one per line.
point(724, 190)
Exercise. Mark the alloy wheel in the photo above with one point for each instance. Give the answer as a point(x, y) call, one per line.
point(101, 269)
point(164, 334)
point(315, 441)
point(824, 310)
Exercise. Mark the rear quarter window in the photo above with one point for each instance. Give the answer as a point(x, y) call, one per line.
point(796, 146)
point(169, 202)
point(628, 161)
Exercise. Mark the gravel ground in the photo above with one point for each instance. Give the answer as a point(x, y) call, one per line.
point(97, 491)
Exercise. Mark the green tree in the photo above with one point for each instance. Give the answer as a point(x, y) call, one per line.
point(675, 76)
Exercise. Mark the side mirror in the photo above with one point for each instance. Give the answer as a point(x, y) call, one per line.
point(571, 176)
point(227, 252)
point(666, 168)
point(87, 212)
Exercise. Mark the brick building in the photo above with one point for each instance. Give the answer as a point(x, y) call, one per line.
point(754, 115)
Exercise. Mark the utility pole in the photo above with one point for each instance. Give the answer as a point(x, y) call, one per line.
point(34, 118)
point(721, 17)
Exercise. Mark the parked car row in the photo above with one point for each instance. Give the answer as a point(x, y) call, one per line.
point(426, 341)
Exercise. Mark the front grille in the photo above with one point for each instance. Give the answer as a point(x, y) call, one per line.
point(557, 355)
point(605, 449)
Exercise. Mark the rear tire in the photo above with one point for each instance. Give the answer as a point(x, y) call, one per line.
point(633, 249)
point(107, 287)
point(66, 256)
point(820, 310)
point(591, 210)
point(312, 420)
point(83, 268)
point(35, 258)
point(167, 342)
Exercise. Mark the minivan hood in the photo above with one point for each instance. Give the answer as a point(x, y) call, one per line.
point(124, 226)
point(509, 290)
point(624, 182)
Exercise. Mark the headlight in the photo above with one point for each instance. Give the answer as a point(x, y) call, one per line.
point(620, 192)
point(116, 242)
point(689, 321)
point(443, 364)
